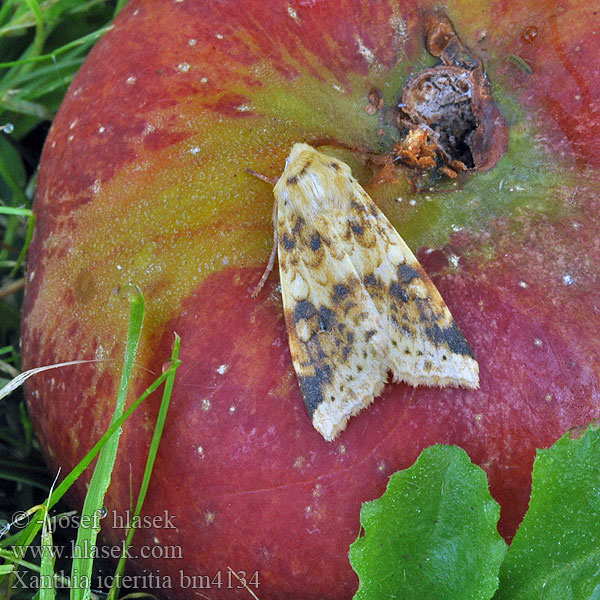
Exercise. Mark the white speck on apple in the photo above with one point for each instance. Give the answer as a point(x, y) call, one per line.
point(538, 343)
point(453, 260)
point(101, 129)
point(293, 14)
point(200, 450)
point(218, 36)
point(73, 124)
point(131, 80)
point(364, 51)
point(232, 409)
point(204, 80)
point(192, 42)
point(398, 24)
point(567, 279)
point(222, 369)
point(194, 150)
point(206, 404)
point(183, 67)
point(523, 284)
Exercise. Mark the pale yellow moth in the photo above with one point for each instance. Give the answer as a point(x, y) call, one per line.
point(356, 301)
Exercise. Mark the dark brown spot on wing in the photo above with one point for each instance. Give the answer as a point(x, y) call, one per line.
point(340, 291)
point(451, 336)
point(334, 166)
point(326, 318)
point(398, 292)
point(293, 180)
point(315, 241)
point(304, 310)
point(287, 242)
point(311, 387)
point(357, 228)
point(406, 274)
point(298, 225)
point(371, 281)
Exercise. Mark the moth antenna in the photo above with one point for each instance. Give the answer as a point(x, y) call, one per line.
point(271, 180)
point(271, 262)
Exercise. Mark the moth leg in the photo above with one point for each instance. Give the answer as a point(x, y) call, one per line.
point(271, 262)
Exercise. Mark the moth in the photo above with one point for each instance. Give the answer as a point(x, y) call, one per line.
point(357, 303)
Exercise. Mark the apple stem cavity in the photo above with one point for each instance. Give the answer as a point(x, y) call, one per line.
point(447, 117)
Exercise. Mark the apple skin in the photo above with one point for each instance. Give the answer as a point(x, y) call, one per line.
point(143, 182)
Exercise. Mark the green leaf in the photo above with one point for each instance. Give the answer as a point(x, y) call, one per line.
point(556, 552)
point(432, 534)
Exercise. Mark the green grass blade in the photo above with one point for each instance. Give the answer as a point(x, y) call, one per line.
point(9, 210)
point(81, 571)
point(28, 237)
point(46, 592)
point(90, 38)
point(158, 429)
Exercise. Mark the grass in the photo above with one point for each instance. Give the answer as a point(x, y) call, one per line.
point(42, 45)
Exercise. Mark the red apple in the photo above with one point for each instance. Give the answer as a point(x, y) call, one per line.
point(143, 181)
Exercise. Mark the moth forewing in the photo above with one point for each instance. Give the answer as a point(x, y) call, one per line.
point(357, 303)
point(426, 345)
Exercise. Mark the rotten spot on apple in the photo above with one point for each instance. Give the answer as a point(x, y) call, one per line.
point(447, 115)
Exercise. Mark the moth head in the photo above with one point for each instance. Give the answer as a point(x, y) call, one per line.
point(297, 150)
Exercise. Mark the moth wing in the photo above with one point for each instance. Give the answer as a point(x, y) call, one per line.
point(337, 338)
point(427, 347)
